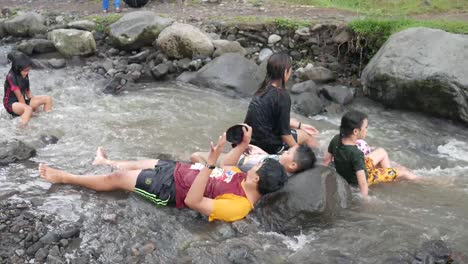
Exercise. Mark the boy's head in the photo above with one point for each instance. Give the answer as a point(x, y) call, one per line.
point(298, 158)
point(269, 175)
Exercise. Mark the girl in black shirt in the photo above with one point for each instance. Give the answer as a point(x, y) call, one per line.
point(269, 111)
point(18, 99)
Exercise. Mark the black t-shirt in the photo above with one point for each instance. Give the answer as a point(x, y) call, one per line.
point(269, 116)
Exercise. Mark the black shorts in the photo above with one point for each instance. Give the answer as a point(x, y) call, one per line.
point(157, 185)
point(10, 105)
point(278, 149)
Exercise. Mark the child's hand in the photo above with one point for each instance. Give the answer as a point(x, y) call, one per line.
point(215, 151)
point(310, 129)
point(247, 135)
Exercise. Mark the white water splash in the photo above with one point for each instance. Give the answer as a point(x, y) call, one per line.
point(294, 243)
point(455, 149)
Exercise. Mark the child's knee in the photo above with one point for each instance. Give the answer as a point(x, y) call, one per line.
point(195, 157)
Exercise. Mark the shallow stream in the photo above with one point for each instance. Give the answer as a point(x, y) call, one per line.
point(178, 119)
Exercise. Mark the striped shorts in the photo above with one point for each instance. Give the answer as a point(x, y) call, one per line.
point(157, 185)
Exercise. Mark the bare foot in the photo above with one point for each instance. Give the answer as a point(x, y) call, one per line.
point(50, 174)
point(101, 157)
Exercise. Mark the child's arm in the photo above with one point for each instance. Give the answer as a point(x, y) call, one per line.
point(363, 186)
point(195, 199)
point(327, 159)
point(29, 94)
point(19, 95)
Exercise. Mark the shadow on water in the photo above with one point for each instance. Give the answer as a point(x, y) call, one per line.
point(178, 119)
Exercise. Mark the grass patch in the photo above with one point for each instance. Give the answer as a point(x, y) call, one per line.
point(103, 21)
point(388, 7)
point(376, 31)
point(284, 23)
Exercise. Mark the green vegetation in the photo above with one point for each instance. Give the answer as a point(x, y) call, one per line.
point(284, 23)
point(376, 31)
point(389, 7)
point(103, 21)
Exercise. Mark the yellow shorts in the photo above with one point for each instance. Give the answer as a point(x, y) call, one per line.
point(376, 175)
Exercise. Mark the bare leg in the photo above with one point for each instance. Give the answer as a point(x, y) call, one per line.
point(304, 138)
point(101, 159)
point(405, 174)
point(24, 111)
point(119, 180)
point(37, 101)
point(380, 158)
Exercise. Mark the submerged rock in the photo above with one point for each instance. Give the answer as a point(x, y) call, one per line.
point(310, 198)
point(421, 69)
point(15, 150)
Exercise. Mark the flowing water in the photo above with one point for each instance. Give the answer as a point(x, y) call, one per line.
point(178, 119)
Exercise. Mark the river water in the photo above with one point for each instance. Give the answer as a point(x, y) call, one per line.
point(178, 119)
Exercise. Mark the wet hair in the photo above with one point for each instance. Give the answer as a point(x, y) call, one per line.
point(277, 64)
point(272, 176)
point(350, 121)
point(20, 62)
point(304, 157)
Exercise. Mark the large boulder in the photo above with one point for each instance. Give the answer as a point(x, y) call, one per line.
point(230, 72)
point(184, 41)
point(12, 151)
point(26, 25)
point(73, 42)
point(3, 32)
point(137, 29)
point(310, 198)
point(421, 69)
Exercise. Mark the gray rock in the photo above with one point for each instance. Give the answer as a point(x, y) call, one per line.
point(139, 57)
point(70, 233)
point(230, 72)
point(309, 199)
point(134, 67)
point(57, 63)
point(3, 32)
point(116, 85)
point(303, 31)
point(307, 86)
point(41, 254)
point(25, 25)
point(36, 46)
point(83, 25)
point(184, 63)
point(54, 260)
point(264, 54)
point(224, 46)
point(148, 248)
point(184, 41)
point(50, 238)
point(113, 52)
point(421, 69)
point(63, 242)
point(339, 94)
point(73, 42)
point(34, 248)
point(137, 29)
point(160, 71)
point(12, 151)
point(318, 74)
point(433, 251)
point(272, 39)
point(308, 104)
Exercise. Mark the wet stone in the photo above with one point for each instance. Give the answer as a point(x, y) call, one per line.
point(64, 242)
point(41, 254)
point(34, 248)
point(19, 252)
point(50, 238)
